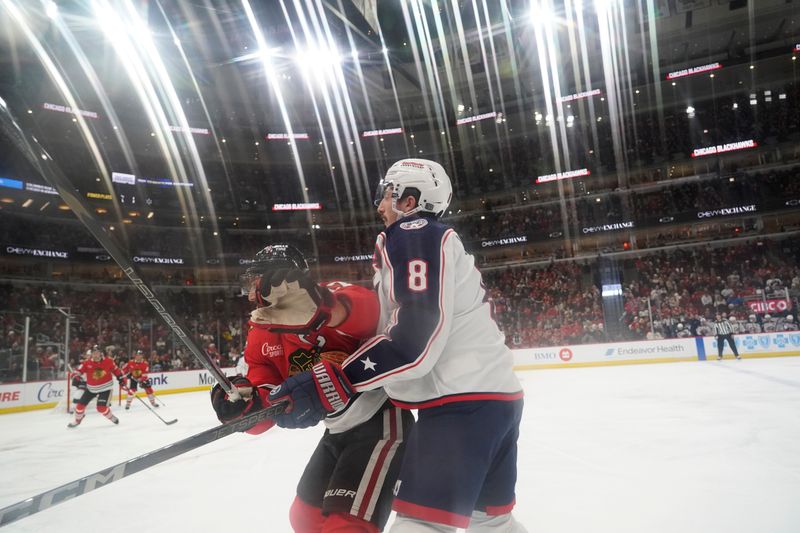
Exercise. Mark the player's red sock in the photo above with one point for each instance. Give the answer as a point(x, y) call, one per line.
point(305, 518)
point(347, 523)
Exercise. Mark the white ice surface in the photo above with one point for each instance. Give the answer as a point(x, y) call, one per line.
point(670, 448)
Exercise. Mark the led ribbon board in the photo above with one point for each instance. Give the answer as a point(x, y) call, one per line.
point(722, 148)
point(580, 95)
point(287, 136)
point(476, 118)
point(693, 70)
point(563, 175)
point(68, 109)
point(297, 207)
point(375, 133)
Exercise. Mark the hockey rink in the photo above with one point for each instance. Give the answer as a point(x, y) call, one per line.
point(682, 447)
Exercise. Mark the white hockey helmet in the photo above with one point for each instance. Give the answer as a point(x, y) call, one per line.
point(427, 177)
point(789, 318)
point(767, 317)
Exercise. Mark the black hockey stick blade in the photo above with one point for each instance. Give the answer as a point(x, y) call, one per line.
point(129, 392)
point(81, 486)
point(40, 159)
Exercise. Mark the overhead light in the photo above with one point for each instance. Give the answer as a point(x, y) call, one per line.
point(111, 228)
point(127, 221)
point(7, 200)
point(133, 214)
point(223, 140)
point(30, 111)
point(150, 215)
point(101, 210)
point(44, 206)
point(64, 207)
point(216, 233)
point(27, 202)
point(51, 9)
point(269, 226)
point(152, 134)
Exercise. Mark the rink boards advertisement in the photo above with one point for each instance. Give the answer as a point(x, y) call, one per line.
point(660, 351)
point(16, 397)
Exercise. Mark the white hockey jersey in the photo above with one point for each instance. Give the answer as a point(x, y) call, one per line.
point(439, 342)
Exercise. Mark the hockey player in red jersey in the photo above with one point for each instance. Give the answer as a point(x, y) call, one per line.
point(347, 483)
point(136, 371)
point(99, 370)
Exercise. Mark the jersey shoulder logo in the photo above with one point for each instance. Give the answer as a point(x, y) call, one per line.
point(414, 224)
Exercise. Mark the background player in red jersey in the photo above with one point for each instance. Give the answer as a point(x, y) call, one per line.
point(98, 369)
point(347, 483)
point(136, 371)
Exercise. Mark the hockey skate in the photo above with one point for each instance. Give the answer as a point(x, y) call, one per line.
point(74, 424)
point(114, 419)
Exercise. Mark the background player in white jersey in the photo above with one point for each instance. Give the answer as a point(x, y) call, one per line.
point(441, 352)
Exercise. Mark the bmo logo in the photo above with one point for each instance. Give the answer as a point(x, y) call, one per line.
point(565, 354)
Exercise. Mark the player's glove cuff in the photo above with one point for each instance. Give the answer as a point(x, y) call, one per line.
point(312, 395)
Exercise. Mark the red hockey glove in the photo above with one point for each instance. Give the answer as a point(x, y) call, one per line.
point(312, 395)
point(228, 410)
point(292, 302)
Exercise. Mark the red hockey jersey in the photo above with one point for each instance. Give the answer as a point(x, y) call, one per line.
point(137, 371)
point(99, 374)
point(272, 357)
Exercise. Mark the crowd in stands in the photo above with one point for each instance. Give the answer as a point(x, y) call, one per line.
point(120, 321)
point(669, 294)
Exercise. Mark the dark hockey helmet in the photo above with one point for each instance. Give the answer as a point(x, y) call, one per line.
point(269, 259)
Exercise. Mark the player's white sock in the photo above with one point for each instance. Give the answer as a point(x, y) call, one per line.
point(406, 524)
point(483, 523)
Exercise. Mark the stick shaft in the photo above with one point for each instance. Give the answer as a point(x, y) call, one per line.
point(81, 486)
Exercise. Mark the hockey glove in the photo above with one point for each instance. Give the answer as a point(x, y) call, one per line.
point(121, 381)
point(228, 410)
point(312, 395)
point(292, 302)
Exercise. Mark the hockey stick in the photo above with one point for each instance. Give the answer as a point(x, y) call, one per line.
point(154, 394)
point(129, 393)
point(81, 486)
point(41, 160)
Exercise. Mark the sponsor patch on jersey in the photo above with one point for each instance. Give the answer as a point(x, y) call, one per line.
point(414, 224)
point(271, 350)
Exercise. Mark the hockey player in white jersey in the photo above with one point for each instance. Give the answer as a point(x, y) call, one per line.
point(440, 352)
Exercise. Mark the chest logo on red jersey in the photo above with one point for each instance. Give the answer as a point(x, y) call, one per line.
point(301, 360)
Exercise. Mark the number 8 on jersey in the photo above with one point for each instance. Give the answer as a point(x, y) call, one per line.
point(418, 275)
